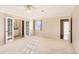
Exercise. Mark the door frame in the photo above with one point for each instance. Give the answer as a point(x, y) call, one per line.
point(23, 28)
point(61, 28)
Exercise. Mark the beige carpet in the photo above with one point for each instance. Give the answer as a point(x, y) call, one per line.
point(37, 45)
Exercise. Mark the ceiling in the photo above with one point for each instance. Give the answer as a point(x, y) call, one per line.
point(38, 11)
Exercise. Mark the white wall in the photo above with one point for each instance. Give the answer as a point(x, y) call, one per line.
point(51, 27)
point(1, 29)
point(75, 29)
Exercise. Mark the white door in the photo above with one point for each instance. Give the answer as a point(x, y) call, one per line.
point(9, 30)
point(26, 28)
point(66, 31)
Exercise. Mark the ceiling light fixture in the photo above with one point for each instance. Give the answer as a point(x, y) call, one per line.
point(28, 8)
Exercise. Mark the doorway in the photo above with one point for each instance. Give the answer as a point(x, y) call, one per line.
point(66, 29)
point(18, 29)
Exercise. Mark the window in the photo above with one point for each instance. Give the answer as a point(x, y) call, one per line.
point(38, 25)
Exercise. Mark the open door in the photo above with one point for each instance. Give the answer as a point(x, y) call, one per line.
point(65, 29)
point(9, 29)
point(26, 30)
